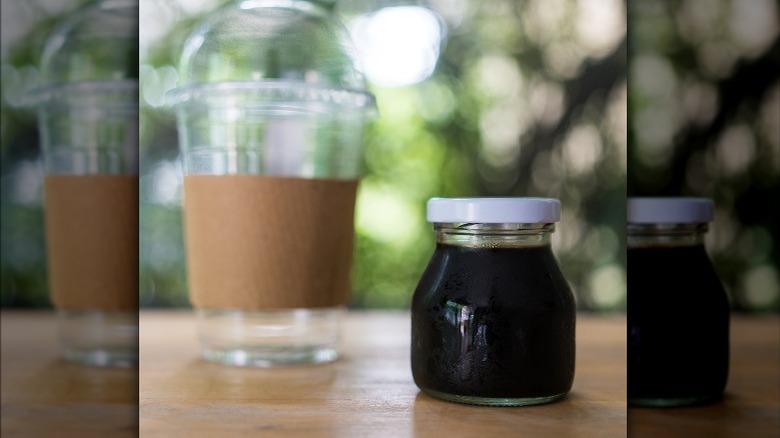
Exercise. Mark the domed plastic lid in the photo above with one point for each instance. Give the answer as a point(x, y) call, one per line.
point(95, 47)
point(669, 210)
point(265, 51)
point(494, 210)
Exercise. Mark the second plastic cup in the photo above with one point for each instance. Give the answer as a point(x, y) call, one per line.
point(87, 108)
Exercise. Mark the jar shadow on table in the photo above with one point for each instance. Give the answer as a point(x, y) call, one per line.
point(726, 417)
point(422, 398)
point(429, 413)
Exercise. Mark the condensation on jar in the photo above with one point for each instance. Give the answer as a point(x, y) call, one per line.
point(493, 317)
point(678, 310)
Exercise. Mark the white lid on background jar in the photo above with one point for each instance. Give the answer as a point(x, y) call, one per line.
point(669, 210)
point(494, 210)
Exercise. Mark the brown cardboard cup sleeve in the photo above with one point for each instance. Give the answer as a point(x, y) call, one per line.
point(92, 241)
point(258, 242)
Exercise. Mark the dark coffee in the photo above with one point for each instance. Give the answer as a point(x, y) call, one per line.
point(678, 327)
point(493, 323)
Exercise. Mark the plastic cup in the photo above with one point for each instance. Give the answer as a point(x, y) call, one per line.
point(270, 113)
point(87, 108)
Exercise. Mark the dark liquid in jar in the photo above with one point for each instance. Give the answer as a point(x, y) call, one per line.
point(678, 325)
point(494, 323)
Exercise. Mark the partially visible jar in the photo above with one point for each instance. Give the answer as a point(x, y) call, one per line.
point(493, 317)
point(678, 310)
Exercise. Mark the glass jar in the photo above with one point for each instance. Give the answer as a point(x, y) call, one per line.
point(493, 317)
point(678, 311)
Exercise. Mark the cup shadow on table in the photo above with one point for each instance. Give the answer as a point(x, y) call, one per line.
point(214, 381)
point(73, 399)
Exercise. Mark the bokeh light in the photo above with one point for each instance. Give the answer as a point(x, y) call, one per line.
point(705, 121)
point(475, 98)
point(499, 98)
point(398, 45)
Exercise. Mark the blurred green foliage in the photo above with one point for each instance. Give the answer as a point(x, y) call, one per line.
point(526, 100)
point(529, 98)
point(25, 27)
point(704, 120)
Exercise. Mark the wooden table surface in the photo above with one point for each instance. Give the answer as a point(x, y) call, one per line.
point(751, 402)
point(43, 395)
point(368, 392)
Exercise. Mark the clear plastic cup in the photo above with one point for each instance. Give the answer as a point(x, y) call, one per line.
point(271, 109)
point(87, 107)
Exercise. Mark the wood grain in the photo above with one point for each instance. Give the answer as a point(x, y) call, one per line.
point(43, 395)
point(369, 392)
point(751, 402)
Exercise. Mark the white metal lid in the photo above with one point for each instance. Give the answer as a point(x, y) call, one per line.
point(669, 210)
point(494, 210)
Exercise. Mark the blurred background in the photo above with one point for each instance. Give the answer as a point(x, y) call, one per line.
point(476, 98)
point(492, 98)
point(487, 98)
point(704, 120)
